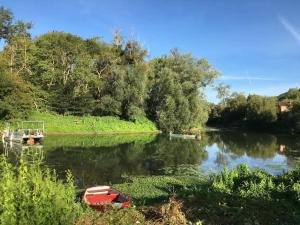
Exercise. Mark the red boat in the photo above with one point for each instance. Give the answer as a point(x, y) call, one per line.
point(102, 198)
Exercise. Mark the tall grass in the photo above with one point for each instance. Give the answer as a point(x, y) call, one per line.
point(88, 141)
point(238, 196)
point(32, 195)
point(55, 123)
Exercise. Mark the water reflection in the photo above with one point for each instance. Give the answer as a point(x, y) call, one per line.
point(269, 152)
point(15, 150)
point(104, 159)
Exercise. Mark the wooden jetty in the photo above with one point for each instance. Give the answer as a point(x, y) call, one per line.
point(29, 132)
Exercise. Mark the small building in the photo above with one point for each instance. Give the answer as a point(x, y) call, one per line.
point(284, 106)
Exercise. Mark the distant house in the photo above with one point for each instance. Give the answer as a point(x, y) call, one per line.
point(284, 106)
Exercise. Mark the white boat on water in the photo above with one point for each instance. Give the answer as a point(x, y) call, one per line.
point(184, 136)
point(29, 132)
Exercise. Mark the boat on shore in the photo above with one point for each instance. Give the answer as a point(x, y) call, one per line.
point(103, 198)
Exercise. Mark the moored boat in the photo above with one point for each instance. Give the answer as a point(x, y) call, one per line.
point(30, 132)
point(184, 136)
point(102, 198)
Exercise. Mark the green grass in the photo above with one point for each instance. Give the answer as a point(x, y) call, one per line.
point(32, 194)
point(88, 141)
point(57, 124)
point(156, 189)
point(239, 196)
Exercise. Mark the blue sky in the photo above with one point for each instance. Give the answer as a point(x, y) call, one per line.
point(254, 44)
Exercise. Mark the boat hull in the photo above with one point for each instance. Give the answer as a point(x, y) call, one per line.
point(102, 198)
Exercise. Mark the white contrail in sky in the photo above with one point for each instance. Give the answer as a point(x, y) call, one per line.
point(249, 78)
point(290, 28)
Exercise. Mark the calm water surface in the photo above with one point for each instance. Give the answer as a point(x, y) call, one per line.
point(106, 159)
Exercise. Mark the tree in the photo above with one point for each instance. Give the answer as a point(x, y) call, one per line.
point(121, 88)
point(6, 20)
point(223, 91)
point(65, 71)
point(236, 108)
point(175, 101)
point(18, 54)
point(10, 28)
point(15, 97)
point(262, 109)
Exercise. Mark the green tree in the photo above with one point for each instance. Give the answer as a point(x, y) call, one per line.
point(175, 101)
point(121, 87)
point(6, 20)
point(15, 97)
point(235, 109)
point(262, 109)
point(10, 28)
point(65, 70)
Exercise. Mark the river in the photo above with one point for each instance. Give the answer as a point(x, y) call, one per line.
point(107, 159)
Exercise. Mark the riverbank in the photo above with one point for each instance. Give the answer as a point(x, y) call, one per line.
point(239, 196)
point(275, 128)
point(85, 125)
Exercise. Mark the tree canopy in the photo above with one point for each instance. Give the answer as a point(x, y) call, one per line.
point(175, 101)
point(67, 74)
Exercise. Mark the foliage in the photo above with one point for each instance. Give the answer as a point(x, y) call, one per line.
point(10, 28)
point(88, 141)
point(239, 110)
point(70, 75)
point(30, 194)
point(223, 91)
point(236, 108)
point(239, 196)
point(258, 112)
point(15, 97)
point(262, 109)
point(290, 120)
point(154, 189)
point(174, 82)
point(172, 213)
point(293, 94)
point(55, 124)
point(295, 117)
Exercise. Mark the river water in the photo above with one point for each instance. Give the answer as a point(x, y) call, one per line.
point(108, 159)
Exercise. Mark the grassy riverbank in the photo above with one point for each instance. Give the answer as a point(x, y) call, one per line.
point(89, 141)
point(59, 124)
point(240, 196)
point(32, 194)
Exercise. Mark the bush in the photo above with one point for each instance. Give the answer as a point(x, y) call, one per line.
point(32, 195)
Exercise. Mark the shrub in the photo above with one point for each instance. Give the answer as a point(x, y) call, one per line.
point(32, 195)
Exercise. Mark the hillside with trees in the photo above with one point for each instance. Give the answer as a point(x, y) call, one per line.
point(259, 112)
point(69, 75)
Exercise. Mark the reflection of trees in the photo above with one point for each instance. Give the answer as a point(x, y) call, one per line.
point(97, 164)
point(291, 149)
point(221, 159)
point(165, 152)
point(253, 144)
point(93, 164)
